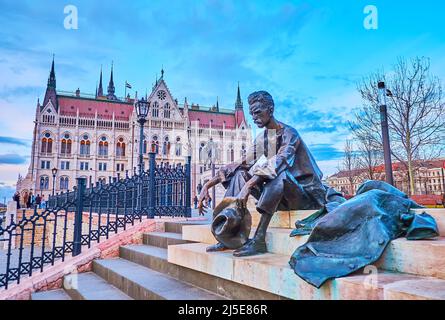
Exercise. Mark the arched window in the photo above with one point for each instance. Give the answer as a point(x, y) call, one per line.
point(120, 148)
point(155, 110)
point(103, 147)
point(243, 150)
point(155, 145)
point(66, 145)
point(166, 147)
point(85, 145)
point(44, 183)
point(47, 144)
point(178, 149)
point(201, 147)
point(230, 153)
point(64, 183)
point(167, 110)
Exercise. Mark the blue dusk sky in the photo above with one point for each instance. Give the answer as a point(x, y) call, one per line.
point(307, 54)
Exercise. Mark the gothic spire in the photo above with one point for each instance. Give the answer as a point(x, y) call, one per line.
point(217, 104)
point(239, 102)
point(52, 76)
point(100, 91)
point(51, 94)
point(111, 88)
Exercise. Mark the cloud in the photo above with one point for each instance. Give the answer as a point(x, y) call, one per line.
point(325, 152)
point(14, 141)
point(12, 159)
point(346, 78)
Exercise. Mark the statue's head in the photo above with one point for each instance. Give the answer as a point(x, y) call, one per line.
point(261, 107)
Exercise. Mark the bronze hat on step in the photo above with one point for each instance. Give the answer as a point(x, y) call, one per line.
point(231, 223)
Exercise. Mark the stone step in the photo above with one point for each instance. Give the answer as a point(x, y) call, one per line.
point(272, 273)
point(176, 226)
point(89, 286)
point(58, 294)
point(163, 239)
point(156, 258)
point(142, 283)
point(424, 257)
point(287, 219)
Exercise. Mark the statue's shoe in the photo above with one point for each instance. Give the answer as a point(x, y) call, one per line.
point(216, 248)
point(251, 248)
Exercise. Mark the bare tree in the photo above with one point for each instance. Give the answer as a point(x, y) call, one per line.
point(350, 165)
point(416, 113)
point(369, 157)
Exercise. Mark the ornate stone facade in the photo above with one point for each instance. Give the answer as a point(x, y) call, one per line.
point(97, 136)
point(429, 178)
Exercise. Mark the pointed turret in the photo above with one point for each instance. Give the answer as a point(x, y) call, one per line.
point(239, 102)
point(52, 76)
point(100, 91)
point(217, 104)
point(51, 94)
point(186, 109)
point(239, 111)
point(111, 88)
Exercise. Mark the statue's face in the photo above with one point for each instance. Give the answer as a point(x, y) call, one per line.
point(261, 114)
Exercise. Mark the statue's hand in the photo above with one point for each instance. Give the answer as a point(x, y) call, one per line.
point(202, 197)
point(243, 196)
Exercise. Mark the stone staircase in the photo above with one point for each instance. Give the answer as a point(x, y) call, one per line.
point(174, 265)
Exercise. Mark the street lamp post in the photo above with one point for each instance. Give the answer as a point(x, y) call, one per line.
point(142, 106)
point(385, 133)
point(54, 171)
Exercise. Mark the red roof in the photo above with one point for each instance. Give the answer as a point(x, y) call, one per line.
point(206, 117)
point(239, 115)
point(428, 200)
point(88, 107)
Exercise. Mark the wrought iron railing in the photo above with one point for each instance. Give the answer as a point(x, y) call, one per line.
point(80, 218)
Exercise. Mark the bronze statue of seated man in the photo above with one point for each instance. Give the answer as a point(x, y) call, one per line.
point(278, 170)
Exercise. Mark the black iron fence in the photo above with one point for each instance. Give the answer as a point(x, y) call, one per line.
point(77, 219)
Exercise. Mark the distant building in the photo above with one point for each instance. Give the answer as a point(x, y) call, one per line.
point(429, 178)
point(97, 136)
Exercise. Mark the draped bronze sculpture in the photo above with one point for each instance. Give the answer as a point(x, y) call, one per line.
point(281, 173)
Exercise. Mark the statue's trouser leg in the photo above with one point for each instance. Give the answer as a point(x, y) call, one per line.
point(260, 233)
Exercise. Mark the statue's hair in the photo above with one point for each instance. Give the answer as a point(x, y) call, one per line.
point(263, 97)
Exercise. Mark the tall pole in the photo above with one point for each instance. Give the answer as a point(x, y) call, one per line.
point(214, 188)
point(54, 184)
point(141, 145)
point(443, 179)
point(385, 133)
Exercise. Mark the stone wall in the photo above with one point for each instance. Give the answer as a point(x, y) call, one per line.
point(52, 223)
point(52, 276)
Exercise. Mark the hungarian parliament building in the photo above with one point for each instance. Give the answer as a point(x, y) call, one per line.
point(97, 136)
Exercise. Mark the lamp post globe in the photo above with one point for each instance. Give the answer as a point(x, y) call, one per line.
point(142, 107)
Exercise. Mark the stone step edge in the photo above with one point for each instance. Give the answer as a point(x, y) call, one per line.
point(396, 257)
point(180, 273)
point(137, 285)
point(69, 285)
point(221, 263)
point(60, 294)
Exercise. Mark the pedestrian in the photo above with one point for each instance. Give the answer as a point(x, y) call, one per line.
point(16, 198)
point(32, 201)
point(209, 201)
point(43, 202)
point(25, 199)
point(38, 201)
point(195, 201)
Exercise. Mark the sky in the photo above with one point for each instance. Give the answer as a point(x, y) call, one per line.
point(308, 54)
